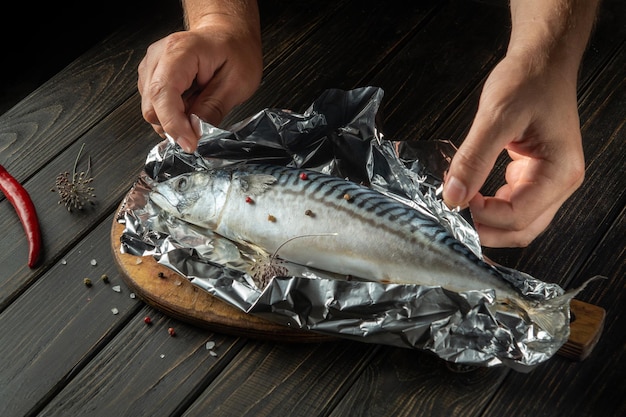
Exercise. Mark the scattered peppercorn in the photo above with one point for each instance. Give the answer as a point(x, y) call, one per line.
point(347, 197)
point(147, 320)
point(105, 278)
point(171, 331)
point(304, 176)
point(87, 282)
point(249, 200)
point(309, 213)
point(271, 218)
point(161, 275)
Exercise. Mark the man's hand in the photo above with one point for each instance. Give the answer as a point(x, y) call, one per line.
point(528, 107)
point(206, 70)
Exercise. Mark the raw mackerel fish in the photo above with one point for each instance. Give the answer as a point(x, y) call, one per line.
point(325, 222)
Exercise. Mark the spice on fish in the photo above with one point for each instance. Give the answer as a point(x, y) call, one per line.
point(87, 282)
point(304, 176)
point(309, 213)
point(104, 278)
point(171, 331)
point(271, 218)
point(347, 197)
point(147, 320)
point(249, 200)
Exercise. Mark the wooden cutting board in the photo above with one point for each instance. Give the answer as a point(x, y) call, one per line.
point(175, 296)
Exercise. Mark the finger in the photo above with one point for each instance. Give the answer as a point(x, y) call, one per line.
point(515, 216)
point(495, 237)
point(472, 163)
point(159, 130)
point(164, 101)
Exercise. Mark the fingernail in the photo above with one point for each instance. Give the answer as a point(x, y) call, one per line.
point(184, 143)
point(454, 191)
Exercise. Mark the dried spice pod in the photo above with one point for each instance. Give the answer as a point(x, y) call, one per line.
point(75, 192)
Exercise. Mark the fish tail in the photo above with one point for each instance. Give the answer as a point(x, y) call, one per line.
point(553, 315)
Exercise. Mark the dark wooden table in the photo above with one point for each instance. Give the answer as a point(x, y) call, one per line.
point(64, 352)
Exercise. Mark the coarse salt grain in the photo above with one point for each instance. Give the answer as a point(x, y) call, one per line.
point(115, 311)
point(94, 262)
point(210, 345)
point(116, 288)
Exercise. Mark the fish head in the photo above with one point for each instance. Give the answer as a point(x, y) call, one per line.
point(197, 197)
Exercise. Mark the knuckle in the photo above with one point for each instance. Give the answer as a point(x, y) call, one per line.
point(472, 160)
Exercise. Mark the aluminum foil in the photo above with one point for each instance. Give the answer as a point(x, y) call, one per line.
point(337, 135)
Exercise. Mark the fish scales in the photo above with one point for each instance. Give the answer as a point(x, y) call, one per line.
point(390, 214)
point(355, 230)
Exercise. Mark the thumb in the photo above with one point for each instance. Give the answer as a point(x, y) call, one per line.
point(472, 163)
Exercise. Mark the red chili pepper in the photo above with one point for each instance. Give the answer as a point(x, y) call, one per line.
point(19, 198)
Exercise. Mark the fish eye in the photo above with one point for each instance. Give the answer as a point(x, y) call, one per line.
point(181, 184)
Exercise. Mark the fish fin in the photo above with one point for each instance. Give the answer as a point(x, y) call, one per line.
point(256, 184)
point(553, 315)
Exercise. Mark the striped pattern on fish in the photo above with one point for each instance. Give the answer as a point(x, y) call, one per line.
point(335, 225)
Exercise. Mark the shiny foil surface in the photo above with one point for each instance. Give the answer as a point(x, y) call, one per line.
point(338, 135)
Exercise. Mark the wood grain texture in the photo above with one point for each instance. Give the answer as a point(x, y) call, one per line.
point(284, 379)
point(145, 371)
point(334, 56)
point(64, 352)
point(52, 332)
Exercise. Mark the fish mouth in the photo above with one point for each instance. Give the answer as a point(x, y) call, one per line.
point(163, 202)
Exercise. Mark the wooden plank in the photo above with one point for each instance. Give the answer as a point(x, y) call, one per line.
point(434, 72)
point(286, 25)
point(56, 327)
point(402, 382)
point(144, 371)
point(71, 28)
point(284, 380)
point(335, 56)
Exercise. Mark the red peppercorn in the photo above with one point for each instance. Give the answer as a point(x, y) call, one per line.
point(147, 320)
point(249, 200)
point(304, 176)
point(171, 331)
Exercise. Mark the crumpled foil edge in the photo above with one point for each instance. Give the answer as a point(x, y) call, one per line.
point(338, 135)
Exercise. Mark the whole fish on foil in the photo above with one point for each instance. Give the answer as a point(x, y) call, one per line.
point(328, 223)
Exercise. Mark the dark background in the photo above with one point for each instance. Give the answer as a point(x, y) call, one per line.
point(41, 39)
